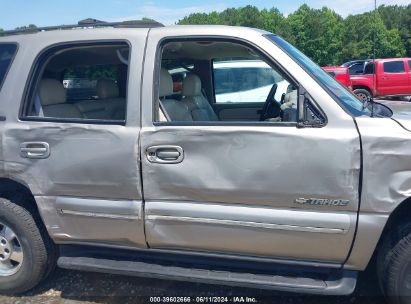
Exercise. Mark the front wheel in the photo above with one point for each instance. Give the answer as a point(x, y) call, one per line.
point(395, 269)
point(362, 94)
point(26, 252)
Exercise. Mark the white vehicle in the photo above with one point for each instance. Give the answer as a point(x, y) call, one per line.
point(246, 81)
point(242, 81)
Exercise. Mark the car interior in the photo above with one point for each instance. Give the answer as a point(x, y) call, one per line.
point(83, 83)
point(205, 81)
point(222, 81)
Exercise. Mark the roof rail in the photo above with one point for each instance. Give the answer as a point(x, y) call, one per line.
point(88, 23)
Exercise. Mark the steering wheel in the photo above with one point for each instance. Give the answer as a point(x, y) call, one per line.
point(270, 106)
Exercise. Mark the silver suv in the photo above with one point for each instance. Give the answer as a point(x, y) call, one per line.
point(109, 164)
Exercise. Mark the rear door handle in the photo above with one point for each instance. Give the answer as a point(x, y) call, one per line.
point(34, 150)
point(165, 154)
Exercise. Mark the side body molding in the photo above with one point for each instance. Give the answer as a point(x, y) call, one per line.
point(94, 221)
point(242, 228)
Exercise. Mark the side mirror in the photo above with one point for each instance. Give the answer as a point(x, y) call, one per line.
point(379, 109)
point(309, 114)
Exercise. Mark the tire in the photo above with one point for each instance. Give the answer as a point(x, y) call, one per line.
point(28, 243)
point(362, 94)
point(394, 266)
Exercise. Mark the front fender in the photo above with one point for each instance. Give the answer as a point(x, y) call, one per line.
point(386, 170)
point(359, 81)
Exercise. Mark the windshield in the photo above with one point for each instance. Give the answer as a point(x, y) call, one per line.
point(347, 100)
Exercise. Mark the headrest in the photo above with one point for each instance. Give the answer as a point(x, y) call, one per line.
point(51, 92)
point(191, 85)
point(107, 88)
point(166, 83)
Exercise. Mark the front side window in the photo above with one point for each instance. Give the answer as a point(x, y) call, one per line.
point(7, 53)
point(369, 68)
point(356, 68)
point(80, 83)
point(219, 80)
point(394, 67)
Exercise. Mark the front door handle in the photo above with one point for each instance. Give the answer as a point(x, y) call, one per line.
point(165, 154)
point(34, 150)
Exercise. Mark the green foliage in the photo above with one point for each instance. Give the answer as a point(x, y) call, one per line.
point(93, 72)
point(318, 32)
point(324, 35)
point(398, 18)
point(26, 27)
point(359, 43)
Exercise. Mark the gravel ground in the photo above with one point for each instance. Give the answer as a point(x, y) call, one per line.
point(65, 286)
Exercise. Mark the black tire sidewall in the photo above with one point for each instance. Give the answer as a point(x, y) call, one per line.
point(34, 262)
point(397, 268)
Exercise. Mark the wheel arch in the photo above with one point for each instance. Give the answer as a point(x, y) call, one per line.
point(20, 193)
point(400, 215)
point(361, 87)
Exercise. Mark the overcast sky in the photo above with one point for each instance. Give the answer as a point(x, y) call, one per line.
point(15, 13)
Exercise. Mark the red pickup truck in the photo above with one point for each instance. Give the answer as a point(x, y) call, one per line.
point(392, 77)
point(341, 74)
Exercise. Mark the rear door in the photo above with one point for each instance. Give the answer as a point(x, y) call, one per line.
point(393, 78)
point(257, 189)
point(84, 173)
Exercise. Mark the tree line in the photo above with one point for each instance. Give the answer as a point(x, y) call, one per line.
point(322, 34)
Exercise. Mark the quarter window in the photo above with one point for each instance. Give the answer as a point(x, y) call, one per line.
point(394, 67)
point(7, 53)
point(409, 64)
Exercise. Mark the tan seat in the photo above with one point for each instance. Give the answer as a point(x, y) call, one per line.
point(53, 100)
point(197, 104)
point(175, 110)
point(109, 94)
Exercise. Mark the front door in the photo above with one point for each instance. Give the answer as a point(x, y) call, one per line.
point(260, 188)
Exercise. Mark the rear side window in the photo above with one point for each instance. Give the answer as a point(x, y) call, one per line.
point(409, 64)
point(394, 67)
point(84, 83)
point(7, 53)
